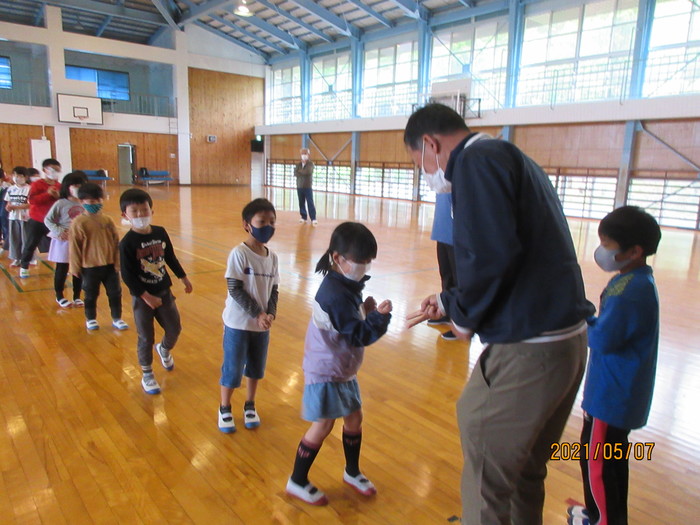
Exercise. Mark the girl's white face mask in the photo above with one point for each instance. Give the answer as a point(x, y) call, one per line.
point(357, 270)
point(436, 181)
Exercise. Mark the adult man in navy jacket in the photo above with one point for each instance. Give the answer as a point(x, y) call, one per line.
point(519, 287)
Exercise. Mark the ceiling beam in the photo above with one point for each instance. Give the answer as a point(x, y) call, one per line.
point(249, 34)
point(163, 10)
point(462, 14)
point(117, 11)
point(330, 18)
point(245, 46)
point(409, 8)
point(371, 12)
point(284, 36)
point(203, 9)
point(292, 18)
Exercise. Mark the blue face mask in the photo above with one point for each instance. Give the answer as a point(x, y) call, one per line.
point(263, 234)
point(92, 208)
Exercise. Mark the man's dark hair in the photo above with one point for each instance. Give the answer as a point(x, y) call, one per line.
point(256, 206)
point(50, 162)
point(32, 172)
point(74, 178)
point(90, 190)
point(631, 226)
point(20, 170)
point(432, 119)
point(134, 196)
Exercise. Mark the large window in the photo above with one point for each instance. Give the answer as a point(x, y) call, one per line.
point(285, 102)
point(111, 85)
point(480, 50)
point(5, 73)
point(673, 65)
point(390, 85)
point(331, 88)
point(577, 54)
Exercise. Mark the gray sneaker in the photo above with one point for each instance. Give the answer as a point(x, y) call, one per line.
point(166, 357)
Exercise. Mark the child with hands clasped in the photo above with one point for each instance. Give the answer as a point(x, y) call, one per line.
point(342, 324)
point(94, 256)
point(252, 277)
point(624, 342)
point(144, 252)
point(58, 221)
point(18, 212)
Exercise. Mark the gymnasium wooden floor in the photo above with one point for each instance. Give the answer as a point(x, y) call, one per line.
point(80, 442)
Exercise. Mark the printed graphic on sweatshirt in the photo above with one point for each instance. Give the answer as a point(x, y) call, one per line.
point(151, 255)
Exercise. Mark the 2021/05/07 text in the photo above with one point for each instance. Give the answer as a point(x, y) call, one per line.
point(606, 451)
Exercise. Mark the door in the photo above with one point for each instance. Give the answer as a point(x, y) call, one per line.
point(126, 154)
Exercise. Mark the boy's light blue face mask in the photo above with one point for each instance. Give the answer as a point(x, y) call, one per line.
point(92, 208)
point(605, 258)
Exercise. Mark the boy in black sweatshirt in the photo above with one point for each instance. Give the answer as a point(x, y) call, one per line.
point(144, 251)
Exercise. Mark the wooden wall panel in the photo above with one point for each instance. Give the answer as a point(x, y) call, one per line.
point(596, 145)
point(649, 154)
point(227, 106)
point(94, 149)
point(330, 144)
point(16, 147)
point(383, 146)
point(284, 147)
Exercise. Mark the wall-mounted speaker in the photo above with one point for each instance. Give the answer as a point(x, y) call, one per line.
point(257, 146)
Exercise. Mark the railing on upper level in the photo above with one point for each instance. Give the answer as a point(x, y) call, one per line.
point(37, 94)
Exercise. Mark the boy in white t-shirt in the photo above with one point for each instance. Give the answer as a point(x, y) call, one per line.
point(17, 206)
point(252, 276)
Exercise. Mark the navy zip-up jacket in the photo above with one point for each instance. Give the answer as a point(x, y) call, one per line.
point(517, 271)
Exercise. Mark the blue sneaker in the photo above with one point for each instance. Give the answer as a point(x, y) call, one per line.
point(150, 385)
point(251, 418)
point(226, 423)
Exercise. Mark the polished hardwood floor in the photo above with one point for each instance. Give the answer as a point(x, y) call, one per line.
point(80, 442)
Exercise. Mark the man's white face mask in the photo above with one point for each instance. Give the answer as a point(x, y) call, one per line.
point(436, 181)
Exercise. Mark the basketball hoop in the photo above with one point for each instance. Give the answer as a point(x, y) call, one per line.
point(82, 119)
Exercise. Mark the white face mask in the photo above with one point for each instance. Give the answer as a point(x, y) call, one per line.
point(141, 223)
point(436, 181)
point(605, 258)
point(74, 191)
point(357, 270)
point(304, 158)
point(52, 174)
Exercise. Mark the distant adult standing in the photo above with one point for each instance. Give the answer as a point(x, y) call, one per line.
point(304, 172)
point(42, 194)
point(519, 287)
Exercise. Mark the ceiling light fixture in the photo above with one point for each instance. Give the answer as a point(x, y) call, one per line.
point(242, 9)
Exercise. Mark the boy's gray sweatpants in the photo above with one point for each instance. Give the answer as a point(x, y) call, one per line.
point(168, 318)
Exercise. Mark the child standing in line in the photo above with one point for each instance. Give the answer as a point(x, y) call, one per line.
point(18, 212)
point(94, 256)
point(42, 194)
point(623, 341)
point(58, 220)
point(144, 251)
point(5, 185)
point(342, 324)
point(252, 276)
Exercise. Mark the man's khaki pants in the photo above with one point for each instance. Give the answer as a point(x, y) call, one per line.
point(514, 406)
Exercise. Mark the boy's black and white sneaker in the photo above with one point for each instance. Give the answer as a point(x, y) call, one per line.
point(226, 423)
point(438, 322)
point(449, 336)
point(166, 358)
point(251, 419)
